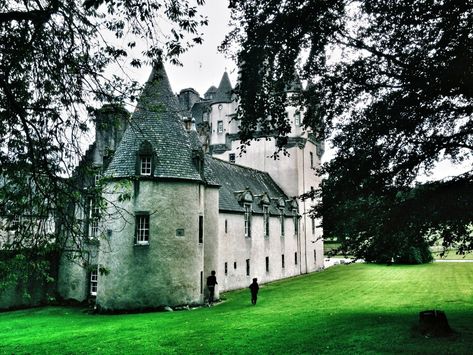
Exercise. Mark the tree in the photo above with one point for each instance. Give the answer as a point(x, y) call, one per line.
point(391, 83)
point(55, 60)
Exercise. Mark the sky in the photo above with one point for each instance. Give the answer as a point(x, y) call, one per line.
point(203, 66)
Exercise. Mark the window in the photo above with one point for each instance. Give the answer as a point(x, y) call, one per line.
point(201, 229)
point(266, 221)
point(282, 261)
point(295, 219)
point(145, 165)
point(219, 126)
point(315, 256)
point(267, 264)
point(297, 118)
point(94, 228)
point(145, 159)
point(142, 229)
point(311, 160)
point(234, 265)
point(281, 220)
point(247, 220)
point(313, 225)
point(226, 226)
point(231, 158)
point(247, 267)
point(295, 258)
point(97, 178)
point(93, 282)
point(226, 268)
point(201, 282)
point(94, 211)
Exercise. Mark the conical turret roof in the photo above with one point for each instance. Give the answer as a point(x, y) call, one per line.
point(157, 121)
point(224, 91)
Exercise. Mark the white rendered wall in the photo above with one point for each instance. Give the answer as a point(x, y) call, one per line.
point(234, 247)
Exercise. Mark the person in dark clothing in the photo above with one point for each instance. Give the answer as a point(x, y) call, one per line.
point(211, 282)
point(254, 287)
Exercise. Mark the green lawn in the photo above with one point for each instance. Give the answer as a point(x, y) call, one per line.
point(354, 309)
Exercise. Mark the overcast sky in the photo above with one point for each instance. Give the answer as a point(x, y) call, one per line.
point(203, 66)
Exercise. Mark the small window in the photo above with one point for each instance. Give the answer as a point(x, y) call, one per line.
point(295, 258)
point(234, 265)
point(145, 159)
point(297, 118)
point(282, 261)
point(94, 282)
point(226, 268)
point(145, 165)
point(281, 220)
point(247, 220)
point(226, 226)
point(94, 212)
point(201, 229)
point(295, 219)
point(312, 192)
point(97, 178)
point(15, 223)
point(94, 228)
point(266, 221)
point(311, 160)
point(315, 256)
point(219, 126)
point(231, 158)
point(142, 229)
point(201, 282)
point(267, 264)
point(247, 267)
point(313, 225)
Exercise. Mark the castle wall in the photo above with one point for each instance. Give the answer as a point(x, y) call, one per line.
point(222, 112)
point(211, 240)
point(165, 272)
point(73, 278)
point(295, 176)
point(235, 248)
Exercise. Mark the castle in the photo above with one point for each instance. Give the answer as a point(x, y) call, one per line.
point(182, 201)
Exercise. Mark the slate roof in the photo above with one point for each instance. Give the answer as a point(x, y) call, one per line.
point(211, 90)
point(233, 179)
point(198, 110)
point(156, 120)
point(224, 91)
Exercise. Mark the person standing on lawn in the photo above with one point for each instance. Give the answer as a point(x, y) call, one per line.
point(254, 288)
point(211, 282)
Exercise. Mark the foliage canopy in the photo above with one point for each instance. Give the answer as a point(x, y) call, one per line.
point(391, 83)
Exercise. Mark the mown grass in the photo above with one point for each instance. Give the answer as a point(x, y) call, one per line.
point(347, 309)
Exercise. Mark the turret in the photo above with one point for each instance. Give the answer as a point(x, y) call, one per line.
point(110, 124)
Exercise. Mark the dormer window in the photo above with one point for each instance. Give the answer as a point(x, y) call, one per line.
point(145, 160)
point(145, 165)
